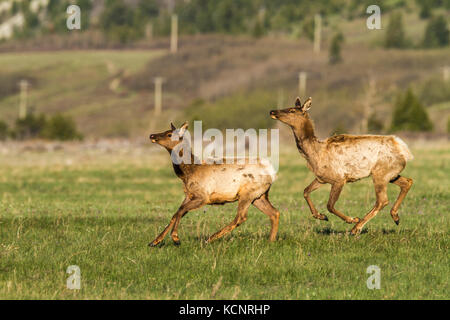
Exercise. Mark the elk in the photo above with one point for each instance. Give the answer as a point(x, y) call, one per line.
point(218, 183)
point(345, 158)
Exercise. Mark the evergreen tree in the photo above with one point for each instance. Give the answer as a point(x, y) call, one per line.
point(395, 34)
point(425, 9)
point(4, 130)
point(436, 33)
point(335, 48)
point(410, 115)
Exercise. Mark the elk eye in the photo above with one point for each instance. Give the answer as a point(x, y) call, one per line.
point(292, 110)
point(169, 135)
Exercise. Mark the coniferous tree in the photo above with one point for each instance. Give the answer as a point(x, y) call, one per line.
point(395, 34)
point(436, 33)
point(335, 48)
point(3, 130)
point(410, 115)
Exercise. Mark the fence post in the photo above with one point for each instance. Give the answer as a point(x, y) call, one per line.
point(149, 31)
point(302, 84)
point(23, 98)
point(368, 105)
point(317, 32)
point(158, 95)
point(446, 73)
point(174, 34)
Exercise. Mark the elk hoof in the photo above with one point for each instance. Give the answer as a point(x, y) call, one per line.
point(153, 244)
point(397, 222)
point(321, 217)
point(177, 242)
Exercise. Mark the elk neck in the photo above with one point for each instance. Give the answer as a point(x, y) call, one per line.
point(306, 140)
point(182, 170)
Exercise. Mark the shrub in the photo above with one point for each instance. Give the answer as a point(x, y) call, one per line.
point(29, 127)
point(3, 130)
point(436, 33)
point(410, 115)
point(58, 127)
point(61, 127)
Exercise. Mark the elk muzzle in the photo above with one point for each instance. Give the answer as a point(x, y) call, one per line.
point(153, 138)
point(274, 114)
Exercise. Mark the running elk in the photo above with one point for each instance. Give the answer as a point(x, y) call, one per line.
point(209, 184)
point(347, 158)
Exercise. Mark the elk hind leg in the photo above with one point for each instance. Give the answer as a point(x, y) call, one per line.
point(264, 205)
point(240, 218)
point(381, 202)
point(404, 184)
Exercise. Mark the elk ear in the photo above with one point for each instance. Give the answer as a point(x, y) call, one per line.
point(172, 127)
point(307, 105)
point(183, 128)
point(298, 103)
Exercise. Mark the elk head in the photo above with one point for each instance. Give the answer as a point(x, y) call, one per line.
point(171, 138)
point(294, 116)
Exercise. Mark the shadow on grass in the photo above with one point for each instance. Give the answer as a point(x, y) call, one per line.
point(328, 231)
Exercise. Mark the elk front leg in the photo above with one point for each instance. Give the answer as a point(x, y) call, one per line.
point(264, 205)
point(240, 218)
point(190, 205)
point(404, 184)
point(313, 186)
point(184, 208)
point(382, 201)
point(334, 196)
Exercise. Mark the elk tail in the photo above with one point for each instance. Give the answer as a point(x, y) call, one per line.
point(403, 148)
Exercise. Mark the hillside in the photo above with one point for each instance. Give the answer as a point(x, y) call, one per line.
point(213, 68)
point(227, 80)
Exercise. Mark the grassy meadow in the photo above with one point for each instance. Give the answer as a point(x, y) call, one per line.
point(100, 209)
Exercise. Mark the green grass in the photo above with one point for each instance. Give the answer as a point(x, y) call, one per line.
point(99, 211)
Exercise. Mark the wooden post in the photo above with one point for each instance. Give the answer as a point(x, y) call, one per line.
point(158, 95)
point(302, 84)
point(174, 34)
point(368, 104)
point(317, 32)
point(446, 73)
point(149, 31)
point(23, 99)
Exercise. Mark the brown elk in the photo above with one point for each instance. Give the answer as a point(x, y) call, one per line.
point(218, 183)
point(348, 158)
